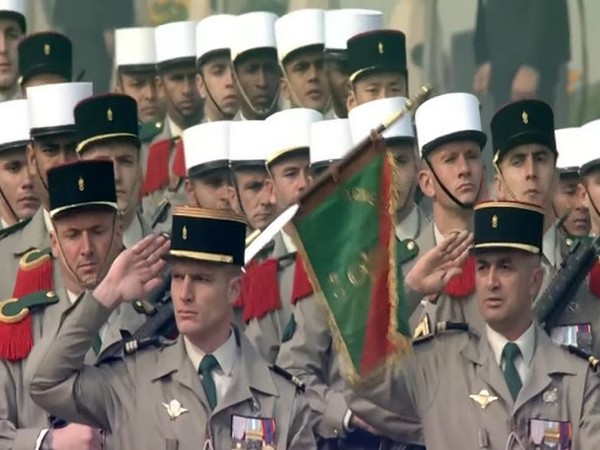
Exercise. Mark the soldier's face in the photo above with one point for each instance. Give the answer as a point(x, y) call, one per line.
point(125, 158)
point(405, 177)
point(306, 84)
point(506, 282)
point(17, 187)
point(376, 86)
point(177, 86)
point(41, 80)
point(589, 191)
point(337, 78)
point(258, 78)
point(530, 173)
point(10, 37)
point(217, 88)
point(143, 88)
point(255, 190)
point(568, 203)
point(203, 296)
point(291, 177)
point(86, 242)
point(458, 166)
point(211, 191)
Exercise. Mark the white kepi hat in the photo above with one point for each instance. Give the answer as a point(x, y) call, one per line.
point(253, 31)
point(175, 42)
point(15, 113)
point(590, 136)
point(289, 131)
point(370, 115)
point(206, 147)
point(569, 144)
point(343, 24)
point(213, 35)
point(299, 29)
point(135, 47)
point(51, 107)
point(330, 140)
point(247, 143)
point(16, 8)
point(446, 118)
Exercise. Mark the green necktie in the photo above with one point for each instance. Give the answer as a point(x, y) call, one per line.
point(207, 365)
point(511, 375)
point(97, 344)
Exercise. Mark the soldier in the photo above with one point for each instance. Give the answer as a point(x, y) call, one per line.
point(18, 200)
point(255, 69)
point(106, 127)
point(340, 26)
point(330, 140)
point(53, 143)
point(400, 140)
point(590, 162)
point(135, 63)
point(254, 187)
point(176, 65)
point(13, 26)
point(208, 182)
point(300, 39)
point(237, 402)
point(509, 386)
point(377, 62)
point(215, 78)
point(85, 240)
point(45, 58)
point(268, 312)
point(569, 210)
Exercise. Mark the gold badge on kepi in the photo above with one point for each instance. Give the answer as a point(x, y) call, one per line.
point(525, 117)
point(109, 115)
point(380, 48)
point(81, 184)
point(47, 49)
point(494, 221)
point(483, 399)
point(184, 233)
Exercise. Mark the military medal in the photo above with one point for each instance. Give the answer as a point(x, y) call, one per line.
point(550, 434)
point(483, 399)
point(550, 396)
point(174, 409)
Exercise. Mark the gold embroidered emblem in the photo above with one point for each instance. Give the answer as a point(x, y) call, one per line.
point(494, 221)
point(47, 49)
point(525, 117)
point(380, 48)
point(184, 233)
point(483, 399)
point(81, 184)
point(109, 114)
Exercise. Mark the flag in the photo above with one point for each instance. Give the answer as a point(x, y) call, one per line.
point(346, 238)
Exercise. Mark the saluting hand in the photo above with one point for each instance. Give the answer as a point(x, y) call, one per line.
point(135, 273)
point(435, 268)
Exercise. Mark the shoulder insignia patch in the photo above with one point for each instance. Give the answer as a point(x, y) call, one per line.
point(406, 250)
point(300, 386)
point(12, 229)
point(15, 310)
point(591, 359)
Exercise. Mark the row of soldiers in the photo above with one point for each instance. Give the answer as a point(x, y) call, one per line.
point(78, 272)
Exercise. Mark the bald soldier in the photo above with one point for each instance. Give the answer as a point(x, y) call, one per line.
point(236, 402)
point(18, 200)
point(13, 27)
point(507, 386)
point(86, 237)
point(52, 143)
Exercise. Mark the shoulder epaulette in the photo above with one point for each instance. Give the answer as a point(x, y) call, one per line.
point(424, 331)
point(157, 169)
point(406, 250)
point(179, 167)
point(300, 386)
point(260, 290)
point(4, 232)
point(135, 345)
point(591, 359)
point(33, 258)
point(302, 287)
point(14, 310)
point(149, 130)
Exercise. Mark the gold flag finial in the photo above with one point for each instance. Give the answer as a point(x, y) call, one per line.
point(47, 49)
point(525, 117)
point(109, 114)
point(380, 47)
point(494, 221)
point(81, 184)
point(184, 233)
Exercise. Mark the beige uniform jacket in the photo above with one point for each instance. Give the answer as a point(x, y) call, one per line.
point(444, 382)
point(128, 397)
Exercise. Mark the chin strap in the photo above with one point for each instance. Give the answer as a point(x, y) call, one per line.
point(10, 208)
point(212, 99)
point(462, 205)
point(507, 188)
point(259, 112)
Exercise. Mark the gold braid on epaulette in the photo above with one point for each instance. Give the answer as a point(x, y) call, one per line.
point(34, 258)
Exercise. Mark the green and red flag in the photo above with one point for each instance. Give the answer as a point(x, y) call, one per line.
point(346, 234)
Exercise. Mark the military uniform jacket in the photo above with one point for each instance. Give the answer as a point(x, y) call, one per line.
point(21, 420)
point(444, 383)
point(311, 356)
point(266, 333)
point(130, 397)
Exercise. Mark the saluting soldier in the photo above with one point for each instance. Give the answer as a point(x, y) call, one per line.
point(45, 58)
point(53, 143)
point(300, 39)
point(268, 311)
point(377, 61)
point(18, 200)
point(340, 26)
point(569, 210)
point(215, 77)
point(86, 238)
point(255, 68)
point(135, 63)
point(508, 386)
point(13, 26)
point(208, 388)
point(176, 65)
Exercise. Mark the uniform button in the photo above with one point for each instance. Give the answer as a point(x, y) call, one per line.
point(336, 432)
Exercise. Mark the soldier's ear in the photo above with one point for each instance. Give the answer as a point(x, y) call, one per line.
point(351, 101)
point(54, 244)
point(426, 183)
point(501, 194)
point(31, 166)
point(201, 86)
point(189, 192)
point(285, 89)
point(160, 86)
point(234, 289)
